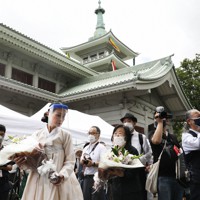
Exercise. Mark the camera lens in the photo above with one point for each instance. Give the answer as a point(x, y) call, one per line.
point(163, 114)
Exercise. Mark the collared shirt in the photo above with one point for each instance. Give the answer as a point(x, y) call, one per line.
point(95, 155)
point(147, 157)
point(190, 143)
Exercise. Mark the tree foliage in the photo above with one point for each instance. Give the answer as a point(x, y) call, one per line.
point(178, 129)
point(189, 76)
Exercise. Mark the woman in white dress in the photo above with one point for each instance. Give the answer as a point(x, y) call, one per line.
point(57, 145)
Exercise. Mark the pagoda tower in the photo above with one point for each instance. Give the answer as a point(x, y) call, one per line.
point(103, 52)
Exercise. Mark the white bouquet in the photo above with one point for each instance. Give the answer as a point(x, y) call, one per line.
point(121, 158)
point(27, 147)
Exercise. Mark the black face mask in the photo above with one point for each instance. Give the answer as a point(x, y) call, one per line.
point(197, 121)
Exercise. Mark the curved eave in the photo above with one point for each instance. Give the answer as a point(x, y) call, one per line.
point(107, 60)
point(103, 39)
point(156, 73)
point(155, 70)
point(159, 75)
point(14, 39)
point(164, 80)
point(133, 75)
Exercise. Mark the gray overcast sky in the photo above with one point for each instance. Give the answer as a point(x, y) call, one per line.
point(153, 28)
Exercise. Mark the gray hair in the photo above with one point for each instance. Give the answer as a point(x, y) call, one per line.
point(188, 115)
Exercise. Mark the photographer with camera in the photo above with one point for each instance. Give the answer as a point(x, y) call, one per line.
point(90, 159)
point(168, 187)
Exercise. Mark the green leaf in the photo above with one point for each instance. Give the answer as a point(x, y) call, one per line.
point(123, 151)
point(136, 156)
point(10, 137)
point(115, 151)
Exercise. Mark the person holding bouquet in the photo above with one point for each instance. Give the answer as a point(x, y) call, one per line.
point(124, 183)
point(59, 182)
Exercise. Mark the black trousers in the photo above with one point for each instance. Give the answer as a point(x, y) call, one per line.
point(4, 188)
point(194, 191)
point(4, 195)
point(88, 190)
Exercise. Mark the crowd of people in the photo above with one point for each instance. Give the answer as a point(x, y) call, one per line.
point(72, 178)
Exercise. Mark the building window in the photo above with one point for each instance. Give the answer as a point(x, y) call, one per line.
point(85, 60)
point(93, 57)
point(22, 76)
point(47, 85)
point(101, 53)
point(2, 69)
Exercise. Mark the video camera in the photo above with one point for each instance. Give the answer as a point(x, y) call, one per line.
point(162, 113)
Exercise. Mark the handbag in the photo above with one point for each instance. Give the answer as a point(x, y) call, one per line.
point(182, 173)
point(152, 178)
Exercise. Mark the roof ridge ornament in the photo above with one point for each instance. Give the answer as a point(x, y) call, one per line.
point(100, 27)
point(99, 3)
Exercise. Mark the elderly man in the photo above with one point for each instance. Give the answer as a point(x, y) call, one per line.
point(191, 146)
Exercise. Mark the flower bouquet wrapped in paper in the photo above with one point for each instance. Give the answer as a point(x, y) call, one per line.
point(27, 148)
point(112, 162)
point(120, 158)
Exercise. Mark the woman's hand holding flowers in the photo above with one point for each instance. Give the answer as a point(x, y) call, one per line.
point(55, 178)
point(32, 160)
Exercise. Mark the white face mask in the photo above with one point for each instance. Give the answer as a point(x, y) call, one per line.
point(119, 141)
point(129, 125)
point(91, 138)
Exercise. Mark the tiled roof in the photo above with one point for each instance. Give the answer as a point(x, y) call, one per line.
point(150, 71)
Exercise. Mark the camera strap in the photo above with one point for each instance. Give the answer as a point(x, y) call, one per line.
point(93, 148)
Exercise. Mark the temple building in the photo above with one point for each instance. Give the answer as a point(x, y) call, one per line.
point(92, 77)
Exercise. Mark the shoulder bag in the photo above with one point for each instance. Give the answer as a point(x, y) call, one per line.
point(182, 173)
point(152, 178)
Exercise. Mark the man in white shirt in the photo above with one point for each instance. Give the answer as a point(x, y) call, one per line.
point(191, 147)
point(141, 143)
point(90, 159)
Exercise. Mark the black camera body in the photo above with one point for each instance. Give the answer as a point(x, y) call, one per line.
point(162, 113)
point(86, 160)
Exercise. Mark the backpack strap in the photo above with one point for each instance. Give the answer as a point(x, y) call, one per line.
point(192, 133)
point(141, 142)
